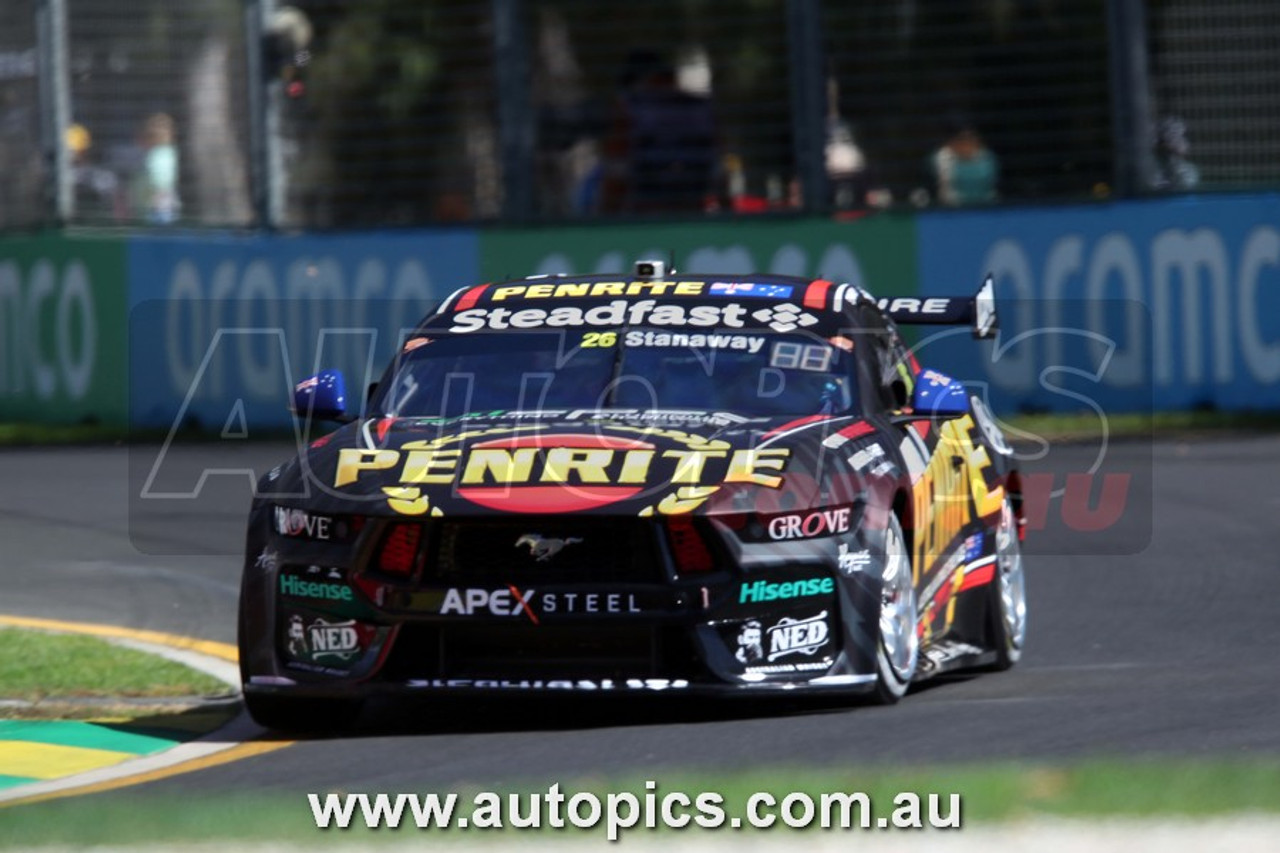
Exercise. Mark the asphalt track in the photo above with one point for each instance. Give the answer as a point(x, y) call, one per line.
point(1152, 637)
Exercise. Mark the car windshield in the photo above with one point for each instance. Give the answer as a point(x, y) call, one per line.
point(755, 373)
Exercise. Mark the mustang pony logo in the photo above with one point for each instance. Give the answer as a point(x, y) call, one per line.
point(543, 549)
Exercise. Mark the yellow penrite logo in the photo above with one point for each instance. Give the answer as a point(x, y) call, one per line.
point(948, 496)
point(554, 290)
point(527, 469)
point(945, 496)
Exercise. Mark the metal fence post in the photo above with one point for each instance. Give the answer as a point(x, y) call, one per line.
point(55, 107)
point(1131, 118)
point(265, 187)
point(515, 112)
point(808, 100)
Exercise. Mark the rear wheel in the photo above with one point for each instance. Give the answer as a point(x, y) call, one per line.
point(1008, 596)
point(898, 646)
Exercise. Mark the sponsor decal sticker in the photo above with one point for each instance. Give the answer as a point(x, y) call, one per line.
point(298, 587)
point(745, 343)
point(300, 524)
point(785, 317)
point(333, 639)
point(905, 304)
point(799, 666)
point(841, 342)
point(933, 377)
point(973, 546)
point(513, 601)
point(760, 591)
point(884, 469)
point(865, 458)
point(678, 416)
point(946, 498)
point(534, 684)
point(321, 639)
point(619, 312)
point(595, 289)
point(792, 644)
point(750, 643)
point(938, 655)
point(812, 525)
point(852, 561)
point(798, 636)
point(528, 469)
point(751, 289)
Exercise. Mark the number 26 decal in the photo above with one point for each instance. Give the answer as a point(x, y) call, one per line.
point(599, 339)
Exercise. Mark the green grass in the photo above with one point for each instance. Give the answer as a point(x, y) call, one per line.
point(989, 793)
point(24, 434)
point(1172, 425)
point(58, 669)
point(39, 435)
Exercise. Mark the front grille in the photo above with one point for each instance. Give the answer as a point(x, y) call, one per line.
point(498, 651)
point(607, 551)
point(523, 650)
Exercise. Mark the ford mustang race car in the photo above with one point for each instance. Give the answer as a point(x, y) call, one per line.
point(739, 484)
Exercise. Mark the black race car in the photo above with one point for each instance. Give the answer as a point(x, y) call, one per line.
point(650, 482)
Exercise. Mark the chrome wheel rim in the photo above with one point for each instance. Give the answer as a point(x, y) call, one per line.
point(898, 609)
point(1013, 593)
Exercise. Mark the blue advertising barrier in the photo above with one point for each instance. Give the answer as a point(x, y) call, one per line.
point(1167, 303)
point(222, 327)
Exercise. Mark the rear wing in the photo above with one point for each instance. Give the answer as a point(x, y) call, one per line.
point(978, 311)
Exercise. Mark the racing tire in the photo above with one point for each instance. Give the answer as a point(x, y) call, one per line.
point(303, 715)
point(898, 640)
point(1007, 599)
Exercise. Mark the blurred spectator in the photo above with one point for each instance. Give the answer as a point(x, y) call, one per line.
point(660, 154)
point(965, 171)
point(153, 189)
point(846, 167)
point(21, 168)
point(1174, 171)
point(95, 190)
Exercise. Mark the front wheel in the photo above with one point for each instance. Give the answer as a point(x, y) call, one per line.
point(898, 646)
point(1008, 596)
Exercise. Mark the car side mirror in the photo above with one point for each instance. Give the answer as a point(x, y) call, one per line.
point(322, 397)
point(937, 395)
